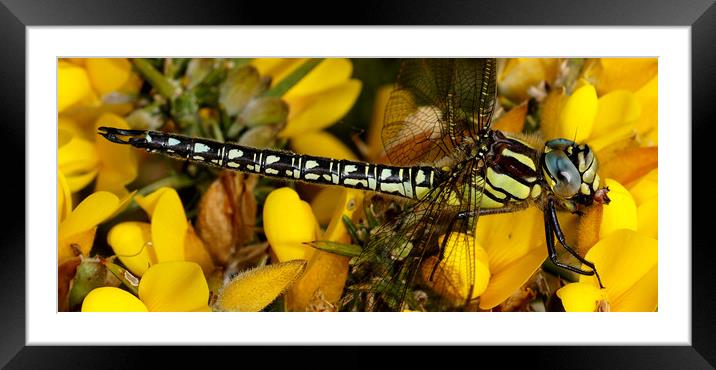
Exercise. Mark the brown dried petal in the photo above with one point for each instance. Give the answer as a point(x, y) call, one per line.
point(227, 213)
point(65, 275)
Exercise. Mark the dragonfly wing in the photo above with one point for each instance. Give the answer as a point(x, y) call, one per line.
point(435, 106)
point(408, 251)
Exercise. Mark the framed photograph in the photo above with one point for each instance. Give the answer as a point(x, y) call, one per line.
point(264, 185)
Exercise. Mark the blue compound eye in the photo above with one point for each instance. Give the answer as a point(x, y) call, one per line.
point(565, 174)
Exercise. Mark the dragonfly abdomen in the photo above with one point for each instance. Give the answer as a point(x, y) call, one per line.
point(409, 182)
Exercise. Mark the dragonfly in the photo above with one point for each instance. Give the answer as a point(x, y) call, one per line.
point(445, 161)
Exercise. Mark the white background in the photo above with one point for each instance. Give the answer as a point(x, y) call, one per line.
point(671, 325)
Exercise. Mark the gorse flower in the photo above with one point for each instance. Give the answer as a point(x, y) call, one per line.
point(77, 226)
point(87, 88)
point(169, 286)
point(319, 100)
point(169, 237)
point(289, 224)
point(89, 92)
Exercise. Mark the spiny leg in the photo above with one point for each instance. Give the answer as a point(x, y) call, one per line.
point(441, 252)
point(557, 230)
point(549, 232)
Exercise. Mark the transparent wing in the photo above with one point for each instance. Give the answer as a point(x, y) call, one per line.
point(410, 252)
point(437, 106)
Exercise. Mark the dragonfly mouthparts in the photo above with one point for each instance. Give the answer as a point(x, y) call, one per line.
point(120, 136)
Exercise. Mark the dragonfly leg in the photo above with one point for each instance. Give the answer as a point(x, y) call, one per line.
point(551, 226)
point(551, 213)
point(441, 253)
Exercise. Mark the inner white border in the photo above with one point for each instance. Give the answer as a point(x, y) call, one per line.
point(671, 325)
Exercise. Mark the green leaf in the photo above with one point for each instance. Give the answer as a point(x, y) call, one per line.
point(292, 79)
point(348, 250)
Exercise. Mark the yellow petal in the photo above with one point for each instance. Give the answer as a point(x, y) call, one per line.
point(83, 240)
point(629, 164)
point(510, 236)
point(64, 197)
point(132, 243)
point(73, 85)
point(577, 117)
point(511, 277)
point(648, 218)
point(512, 121)
point(111, 299)
point(453, 276)
point(88, 214)
point(317, 111)
point(194, 251)
point(277, 68)
point(375, 141)
point(77, 61)
point(620, 213)
point(118, 162)
point(348, 204)
point(149, 202)
point(77, 159)
point(174, 286)
point(255, 289)
point(646, 187)
point(329, 73)
point(321, 144)
point(79, 182)
point(627, 263)
point(643, 296)
point(580, 297)
point(625, 73)
point(648, 98)
point(288, 223)
point(108, 74)
point(550, 113)
point(520, 74)
point(326, 271)
point(324, 203)
point(617, 109)
point(169, 227)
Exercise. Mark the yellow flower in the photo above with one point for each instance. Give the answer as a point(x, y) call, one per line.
point(77, 226)
point(505, 257)
point(520, 74)
point(88, 88)
point(623, 101)
point(165, 287)
point(627, 263)
point(169, 237)
point(83, 158)
point(319, 100)
point(289, 223)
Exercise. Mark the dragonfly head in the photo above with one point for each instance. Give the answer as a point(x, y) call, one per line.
point(570, 170)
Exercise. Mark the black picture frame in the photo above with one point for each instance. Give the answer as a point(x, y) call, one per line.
point(16, 15)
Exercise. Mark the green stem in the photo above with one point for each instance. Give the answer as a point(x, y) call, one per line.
point(158, 80)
